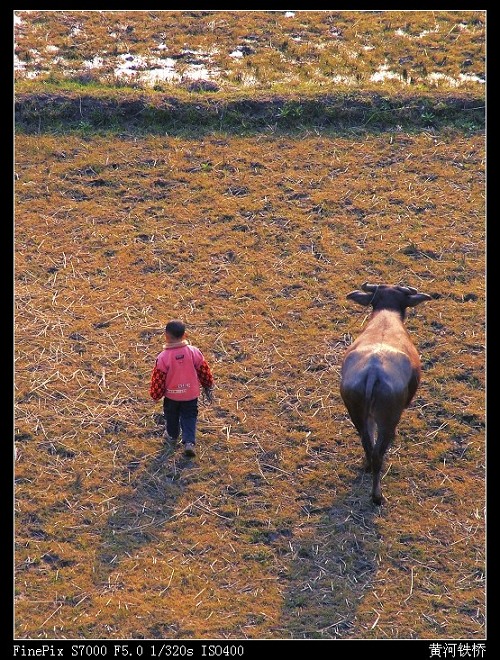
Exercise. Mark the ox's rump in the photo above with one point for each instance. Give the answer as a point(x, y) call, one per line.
point(378, 384)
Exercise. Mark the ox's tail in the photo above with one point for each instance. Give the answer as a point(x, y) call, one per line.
point(369, 392)
point(370, 403)
point(369, 387)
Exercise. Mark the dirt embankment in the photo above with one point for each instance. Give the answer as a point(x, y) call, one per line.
point(37, 112)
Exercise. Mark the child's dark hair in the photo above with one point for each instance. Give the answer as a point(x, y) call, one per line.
point(175, 328)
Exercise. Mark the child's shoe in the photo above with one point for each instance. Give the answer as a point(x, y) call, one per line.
point(189, 449)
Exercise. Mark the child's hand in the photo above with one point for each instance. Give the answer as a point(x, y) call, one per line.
point(208, 394)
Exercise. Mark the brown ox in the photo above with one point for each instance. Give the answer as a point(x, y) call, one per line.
point(381, 371)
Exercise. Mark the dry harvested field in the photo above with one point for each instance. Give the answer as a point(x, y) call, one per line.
point(231, 51)
point(254, 238)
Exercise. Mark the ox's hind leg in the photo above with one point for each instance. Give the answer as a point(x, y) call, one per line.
point(368, 442)
point(365, 429)
point(384, 439)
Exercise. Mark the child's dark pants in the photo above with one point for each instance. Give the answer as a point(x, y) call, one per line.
point(181, 416)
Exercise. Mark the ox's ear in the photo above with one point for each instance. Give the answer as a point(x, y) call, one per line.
point(417, 298)
point(360, 297)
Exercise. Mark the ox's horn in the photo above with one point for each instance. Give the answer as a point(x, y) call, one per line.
point(369, 287)
point(407, 289)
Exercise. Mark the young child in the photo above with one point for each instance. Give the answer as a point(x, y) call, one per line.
point(179, 375)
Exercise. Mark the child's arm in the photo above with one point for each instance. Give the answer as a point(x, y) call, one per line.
point(205, 375)
point(157, 386)
point(206, 380)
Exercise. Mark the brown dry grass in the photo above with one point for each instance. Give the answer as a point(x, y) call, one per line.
point(255, 241)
